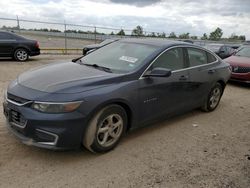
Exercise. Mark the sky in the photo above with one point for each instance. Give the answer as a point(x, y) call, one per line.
point(179, 16)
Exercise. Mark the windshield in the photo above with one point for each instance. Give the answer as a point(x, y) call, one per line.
point(244, 51)
point(120, 57)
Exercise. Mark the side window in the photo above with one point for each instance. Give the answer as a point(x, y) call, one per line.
point(2, 36)
point(10, 36)
point(196, 57)
point(172, 59)
point(6, 36)
point(210, 58)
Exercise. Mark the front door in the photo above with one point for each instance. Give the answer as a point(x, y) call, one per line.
point(159, 96)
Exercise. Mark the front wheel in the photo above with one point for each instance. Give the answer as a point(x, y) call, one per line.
point(213, 98)
point(105, 129)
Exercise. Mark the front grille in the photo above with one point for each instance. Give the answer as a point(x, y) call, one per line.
point(17, 118)
point(16, 99)
point(240, 69)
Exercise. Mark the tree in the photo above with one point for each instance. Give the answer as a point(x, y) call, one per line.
point(242, 37)
point(138, 31)
point(184, 36)
point(236, 37)
point(216, 34)
point(194, 37)
point(172, 35)
point(162, 35)
point(112, 33)
point(153, 34)
point(121, 32)
point(204, 37)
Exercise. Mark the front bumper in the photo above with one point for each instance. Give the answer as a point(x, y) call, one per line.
point(240, 77)
point(50, 131)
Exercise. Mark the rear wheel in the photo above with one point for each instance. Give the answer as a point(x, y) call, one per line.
point(21, 54)
point(213, 99)
point(105, 129)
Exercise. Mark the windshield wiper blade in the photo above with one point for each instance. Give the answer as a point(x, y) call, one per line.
point(98, 67)
point(77, 59)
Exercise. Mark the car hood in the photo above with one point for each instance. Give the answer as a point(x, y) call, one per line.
point(238, 61)
point(66, 78)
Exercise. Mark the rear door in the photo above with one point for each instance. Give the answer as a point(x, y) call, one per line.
point(202, 74)
point(7, 44)
point(164, 95)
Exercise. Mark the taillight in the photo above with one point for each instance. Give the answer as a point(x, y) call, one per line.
point(37, 44)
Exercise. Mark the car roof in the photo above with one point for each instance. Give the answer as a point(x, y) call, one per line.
point(156, 42)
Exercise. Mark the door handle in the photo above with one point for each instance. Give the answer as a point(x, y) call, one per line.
point(183, 78)
point(211, 71)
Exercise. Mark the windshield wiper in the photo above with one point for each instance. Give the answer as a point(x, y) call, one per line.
point(98, 67)
point(77, 59)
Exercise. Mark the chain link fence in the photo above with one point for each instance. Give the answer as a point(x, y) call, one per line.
point(56, 37)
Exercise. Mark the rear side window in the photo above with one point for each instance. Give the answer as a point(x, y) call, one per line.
point(2, 36)
point(6, 36)
point(196, 57)
point(210, 58)
point(172, 59)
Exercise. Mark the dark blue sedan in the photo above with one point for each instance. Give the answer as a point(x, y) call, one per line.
point(129, 83)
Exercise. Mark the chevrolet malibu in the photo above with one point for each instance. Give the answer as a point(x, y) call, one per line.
point(127, 84)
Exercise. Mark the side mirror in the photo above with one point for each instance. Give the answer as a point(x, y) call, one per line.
point(158, 72)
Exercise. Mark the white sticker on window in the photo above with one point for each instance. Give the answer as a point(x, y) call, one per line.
point(128, 59)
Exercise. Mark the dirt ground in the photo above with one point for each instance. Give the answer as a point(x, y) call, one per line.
point(193, 150)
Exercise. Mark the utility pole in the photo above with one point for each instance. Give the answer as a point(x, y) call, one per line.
point(18, 24)
point(65, 37)
point(95, 34)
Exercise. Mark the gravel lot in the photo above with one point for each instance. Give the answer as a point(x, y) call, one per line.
point(193, 150)
point(58, 42)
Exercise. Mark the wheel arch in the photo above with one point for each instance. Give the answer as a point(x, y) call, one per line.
point(21, 47)
point(222, 83)
point(121, 102)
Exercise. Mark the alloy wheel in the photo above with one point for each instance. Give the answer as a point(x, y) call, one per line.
point(21, 55)
point(215, 97)
point(110, 130)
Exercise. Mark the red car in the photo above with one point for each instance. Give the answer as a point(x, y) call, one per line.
point(240, 65)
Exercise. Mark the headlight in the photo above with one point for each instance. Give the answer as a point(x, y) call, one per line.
point(56, 107)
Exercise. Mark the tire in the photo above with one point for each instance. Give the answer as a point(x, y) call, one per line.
point(21, 54)
point(213, 98)
point(105, 129)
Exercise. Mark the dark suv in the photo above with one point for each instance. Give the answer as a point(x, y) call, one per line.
point(20, 48)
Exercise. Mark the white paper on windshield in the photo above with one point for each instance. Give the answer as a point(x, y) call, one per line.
point(128, 59)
